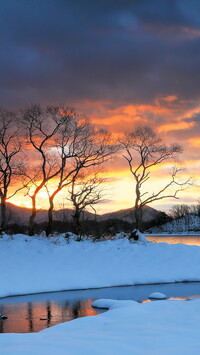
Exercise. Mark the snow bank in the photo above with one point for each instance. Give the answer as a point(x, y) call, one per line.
point(161, 327)
point(38, 264)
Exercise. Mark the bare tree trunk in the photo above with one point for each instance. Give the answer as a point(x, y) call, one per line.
point(3, 214)
point(77, 225)
point(137, 208)
point(138, 218)
point(50, 216)
point(33, 215)
point(140, 225)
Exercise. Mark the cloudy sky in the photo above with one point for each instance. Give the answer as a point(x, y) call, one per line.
point(123, 63)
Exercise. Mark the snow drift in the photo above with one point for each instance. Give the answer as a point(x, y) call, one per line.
point(38, 264)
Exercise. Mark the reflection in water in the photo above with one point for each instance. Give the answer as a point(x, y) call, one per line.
point(34, 316)
point(1, 320)
point(76, 310)
point(175, 239)
point(48, 314)
point(172, 299)
point(33, 313)
point(30, 316)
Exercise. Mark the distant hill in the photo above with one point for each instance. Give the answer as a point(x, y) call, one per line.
point(128, 215)
point(20, 215)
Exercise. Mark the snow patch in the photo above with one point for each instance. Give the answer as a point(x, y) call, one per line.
point(157, 296)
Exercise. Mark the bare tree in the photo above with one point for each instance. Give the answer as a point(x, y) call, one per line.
point(11, 166)
point(42, 126)
point(198, 208)
point(180, 211)
point(182, 214)
point(85, 191)
point(81, 146)
point(143, 151)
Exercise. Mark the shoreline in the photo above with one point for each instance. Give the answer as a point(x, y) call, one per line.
point(98, 288)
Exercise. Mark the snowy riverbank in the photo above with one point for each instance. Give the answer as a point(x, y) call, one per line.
point(37, 264)
point(161, 327)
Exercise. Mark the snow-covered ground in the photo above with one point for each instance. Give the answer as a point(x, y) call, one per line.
point(38, 264)
point(159, 327)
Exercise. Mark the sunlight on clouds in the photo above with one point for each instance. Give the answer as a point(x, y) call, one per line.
point(195, 142)
point(120, 192)
point(176, 126)
point(130, 116)
point(167, 115)
point(170, 98)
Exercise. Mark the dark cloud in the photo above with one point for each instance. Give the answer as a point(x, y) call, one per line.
point(122, 51)
point(193, 118)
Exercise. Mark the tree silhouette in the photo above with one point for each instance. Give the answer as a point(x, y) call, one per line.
point(11, 166)
point(84, 191)
point(143, 150)
point(81, 147)
point(42, 125)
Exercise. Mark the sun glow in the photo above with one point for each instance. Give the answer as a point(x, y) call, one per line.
point(168, 116)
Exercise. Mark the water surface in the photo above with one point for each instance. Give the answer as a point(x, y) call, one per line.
point(175, 239)
point(33, 313)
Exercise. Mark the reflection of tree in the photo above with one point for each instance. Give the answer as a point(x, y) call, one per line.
point(30, 316)
point(1, 320)
point(48, 306)
point(66, 312)
point(83, 309)
point(51, 312)
point(76, 309)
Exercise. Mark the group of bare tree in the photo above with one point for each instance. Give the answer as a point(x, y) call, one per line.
point(183, 214)
point(54, 148)
point(183, 210)
point(61, 144)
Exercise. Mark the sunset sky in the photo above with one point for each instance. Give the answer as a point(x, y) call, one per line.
point(123, 63)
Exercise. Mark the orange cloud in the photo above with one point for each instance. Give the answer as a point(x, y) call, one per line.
point(127, 117)
point(195, 142)
point(171, 98)
point(176, 126)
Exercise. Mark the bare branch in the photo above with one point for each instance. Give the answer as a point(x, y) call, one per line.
point(10, 149)
point(144, 150)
